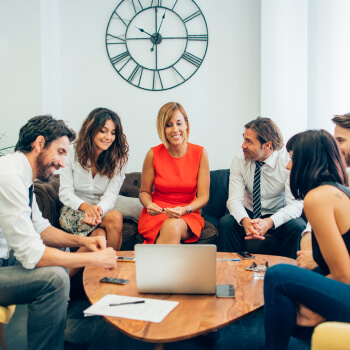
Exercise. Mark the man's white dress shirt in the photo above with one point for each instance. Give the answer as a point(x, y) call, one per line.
point(17, 230)
point(276, 197)
point(78, 186)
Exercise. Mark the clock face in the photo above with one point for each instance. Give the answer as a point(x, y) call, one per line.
point(156, 44)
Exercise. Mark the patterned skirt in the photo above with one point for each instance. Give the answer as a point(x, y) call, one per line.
point(72, 221)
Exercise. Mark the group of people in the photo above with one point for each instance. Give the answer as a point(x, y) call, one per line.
point(268, 186)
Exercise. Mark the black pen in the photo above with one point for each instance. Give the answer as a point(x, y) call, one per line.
point(129, 302)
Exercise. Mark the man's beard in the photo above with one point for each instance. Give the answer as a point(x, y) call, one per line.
point(347, 158)
point(43, 169)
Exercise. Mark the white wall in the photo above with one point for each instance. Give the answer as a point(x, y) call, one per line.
point(329, 61)
point(284, 59)
point(224, 91)
point(20, 66)
point(77, 75)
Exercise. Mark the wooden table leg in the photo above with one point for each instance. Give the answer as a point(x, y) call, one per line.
point(158, 346)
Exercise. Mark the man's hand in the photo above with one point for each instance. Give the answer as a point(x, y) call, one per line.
point(176, 212)
point(93, 215)
point(308, 318)
point(106, 258)
point(154, 209)
point(249, 229)
point(262, 225)
point(306, 260)
point(93, 244)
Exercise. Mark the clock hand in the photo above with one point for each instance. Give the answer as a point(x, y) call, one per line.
point(152, 48)
point(143, 31)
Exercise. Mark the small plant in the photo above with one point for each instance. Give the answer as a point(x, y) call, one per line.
point(4, 150)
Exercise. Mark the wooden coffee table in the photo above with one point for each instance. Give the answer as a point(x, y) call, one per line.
point(195, 314)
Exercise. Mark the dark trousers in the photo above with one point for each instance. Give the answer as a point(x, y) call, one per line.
point(286, 286)
point(232, 235)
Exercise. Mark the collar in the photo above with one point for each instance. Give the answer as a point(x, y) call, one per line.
point(272, 160)
point(27, 168)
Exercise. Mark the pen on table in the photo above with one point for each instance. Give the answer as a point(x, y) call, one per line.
point(126, 258)
point(129, 302)
point(231, 259)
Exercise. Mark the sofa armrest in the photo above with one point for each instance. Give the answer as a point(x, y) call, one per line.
point(46, 194)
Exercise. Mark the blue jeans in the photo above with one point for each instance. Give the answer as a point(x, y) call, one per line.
point(46, 291)
point(285, 286)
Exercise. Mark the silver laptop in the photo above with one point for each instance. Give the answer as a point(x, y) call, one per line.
point(176, 268)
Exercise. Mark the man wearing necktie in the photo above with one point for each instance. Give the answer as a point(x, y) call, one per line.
point(260, 199)
point(32, 269)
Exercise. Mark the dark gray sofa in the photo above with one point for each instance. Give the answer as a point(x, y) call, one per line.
point(50, 205)
point(48, 201)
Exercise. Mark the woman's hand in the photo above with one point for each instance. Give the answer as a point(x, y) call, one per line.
point(176, 212)
point(308, 318)
point(93, 215)
point(154, 209)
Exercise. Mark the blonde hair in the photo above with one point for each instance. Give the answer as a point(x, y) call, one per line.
point(165, 114)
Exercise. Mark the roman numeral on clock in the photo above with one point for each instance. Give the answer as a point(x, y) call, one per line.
point(196, 61)
point(120, 57)
point(192, 16)
point(199, 37)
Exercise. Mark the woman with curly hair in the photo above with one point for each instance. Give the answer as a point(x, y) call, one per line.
point(92, 177)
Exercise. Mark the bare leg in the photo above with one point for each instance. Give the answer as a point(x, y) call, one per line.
point(97, 232)
point(173, 231)
point(112, 223)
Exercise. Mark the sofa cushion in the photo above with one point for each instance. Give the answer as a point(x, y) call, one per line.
point(216, 207)
point(131, 185)
point(129, 207)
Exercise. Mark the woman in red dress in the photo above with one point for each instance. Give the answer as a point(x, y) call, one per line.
point(179, 172)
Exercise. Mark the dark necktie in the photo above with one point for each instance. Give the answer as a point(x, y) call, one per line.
point(256, 191)
point(31, 198)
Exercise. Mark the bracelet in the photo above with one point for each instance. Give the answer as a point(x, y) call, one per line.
point(189, 210)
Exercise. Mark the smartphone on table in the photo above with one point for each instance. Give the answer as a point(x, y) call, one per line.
point(225, 291)
point(114, 280)
point(246, 255)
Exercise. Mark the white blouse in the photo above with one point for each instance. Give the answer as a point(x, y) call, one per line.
point(78, 186)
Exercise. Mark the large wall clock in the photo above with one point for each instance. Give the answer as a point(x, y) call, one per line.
point(156, 44)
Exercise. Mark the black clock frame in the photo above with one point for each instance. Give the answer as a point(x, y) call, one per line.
point(191, 58)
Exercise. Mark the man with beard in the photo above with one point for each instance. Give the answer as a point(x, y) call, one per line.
point(342, 136)
point(31, 267)
point(260, 200)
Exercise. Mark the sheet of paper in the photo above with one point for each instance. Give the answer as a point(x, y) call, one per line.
point(152, 310)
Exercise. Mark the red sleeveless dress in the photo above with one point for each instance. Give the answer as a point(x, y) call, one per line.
point(175, 184)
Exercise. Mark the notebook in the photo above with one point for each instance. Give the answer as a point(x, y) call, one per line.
point(176, 268)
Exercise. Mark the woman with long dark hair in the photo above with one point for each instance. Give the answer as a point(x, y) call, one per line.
point(92, 177)
point(296, 299)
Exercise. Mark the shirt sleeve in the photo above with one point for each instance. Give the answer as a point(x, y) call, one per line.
point(236, 191)
point(66, 193)
point(307, 229)
point(292, 210)
point(107, 201)
point(19, 230)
